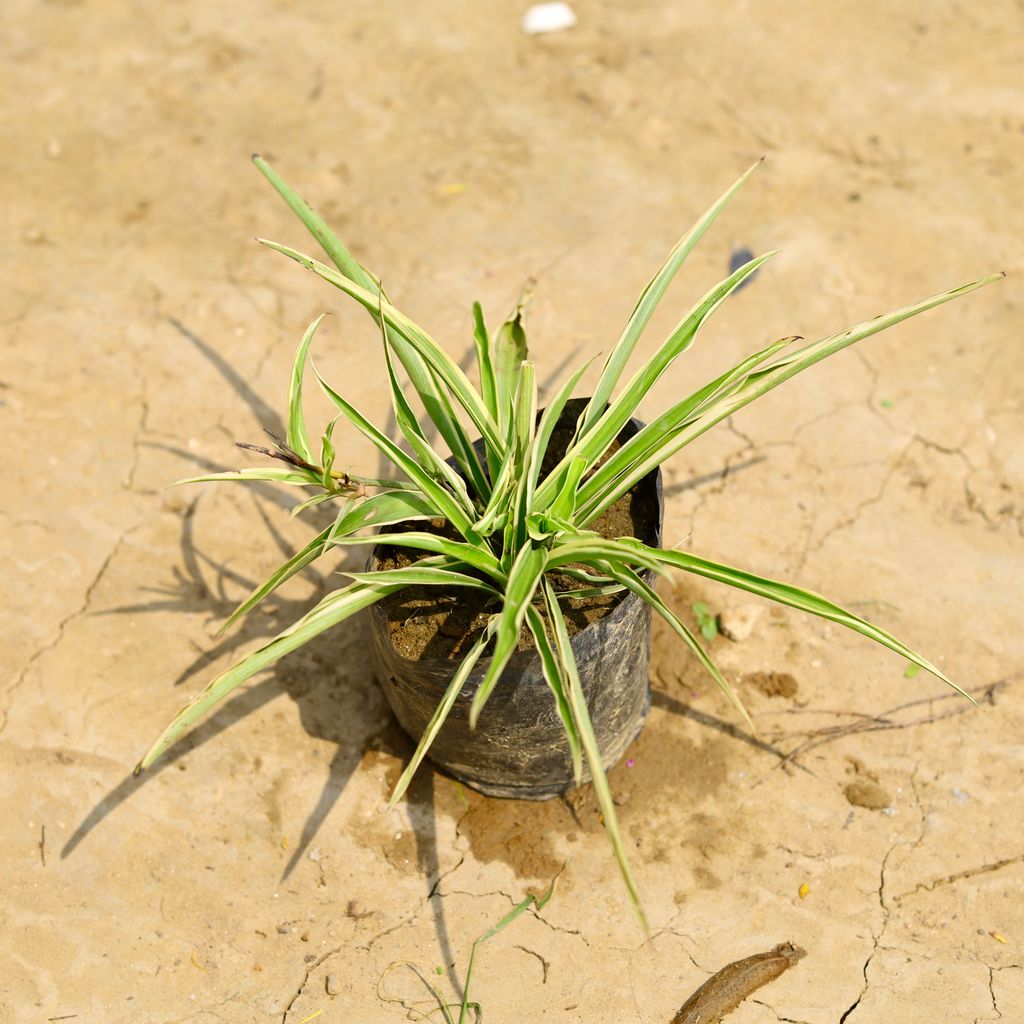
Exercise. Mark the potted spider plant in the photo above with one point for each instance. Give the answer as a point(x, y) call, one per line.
point(512, 582)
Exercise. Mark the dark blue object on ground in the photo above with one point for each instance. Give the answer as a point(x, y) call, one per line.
point(736, 260)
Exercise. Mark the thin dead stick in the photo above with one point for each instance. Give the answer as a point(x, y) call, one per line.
point(884, 721)
point(724, 991)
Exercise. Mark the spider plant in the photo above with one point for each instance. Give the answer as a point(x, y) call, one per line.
point(512, 526)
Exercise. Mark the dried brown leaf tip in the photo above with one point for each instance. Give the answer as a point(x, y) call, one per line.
point(724, 991)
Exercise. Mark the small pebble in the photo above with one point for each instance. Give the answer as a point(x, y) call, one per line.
point(738, 258)
point(541, 19)
point(737, 624)
point(332, 983)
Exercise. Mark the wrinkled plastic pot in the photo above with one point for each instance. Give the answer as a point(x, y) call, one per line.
point(519, 748)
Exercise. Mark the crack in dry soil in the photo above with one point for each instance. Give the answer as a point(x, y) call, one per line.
point(66, 621)
point(885, 721)
point(959, 875)
point(778, 1016)
point(883, 903)
point(305, 980)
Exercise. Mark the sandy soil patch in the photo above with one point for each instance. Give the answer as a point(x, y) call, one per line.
point(253, 875)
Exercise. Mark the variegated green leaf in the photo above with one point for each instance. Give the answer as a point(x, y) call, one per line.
point(607, 427)
point(648, 302)
point(523, 580)
point(510, 351)
point(477, 556)
point(443, 500)
point(329, 612)
point(793, 597)
point(438, 718)
point(298, 439)
point(436, 359)
point(628, 578)
point(764, 378)
point(588, 741)
point(552, 669)
point(294, 477)
point(422, 575)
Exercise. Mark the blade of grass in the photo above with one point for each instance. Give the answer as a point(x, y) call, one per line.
point(531, 900)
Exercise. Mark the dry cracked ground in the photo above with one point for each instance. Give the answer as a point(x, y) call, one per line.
point(255, 875)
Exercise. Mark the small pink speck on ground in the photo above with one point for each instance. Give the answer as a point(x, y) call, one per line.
point(694, 693)
point(630, 763)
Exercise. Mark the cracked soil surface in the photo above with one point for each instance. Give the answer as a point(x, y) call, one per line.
point(254, 874)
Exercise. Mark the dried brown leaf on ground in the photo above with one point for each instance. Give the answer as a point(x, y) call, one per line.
point(727, 988)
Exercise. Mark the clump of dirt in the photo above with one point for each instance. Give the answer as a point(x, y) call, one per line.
point(867, 793)
point(773, 684)
point(520, 833)
point(665, 770)
point(430, 623)
point(865, 790)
